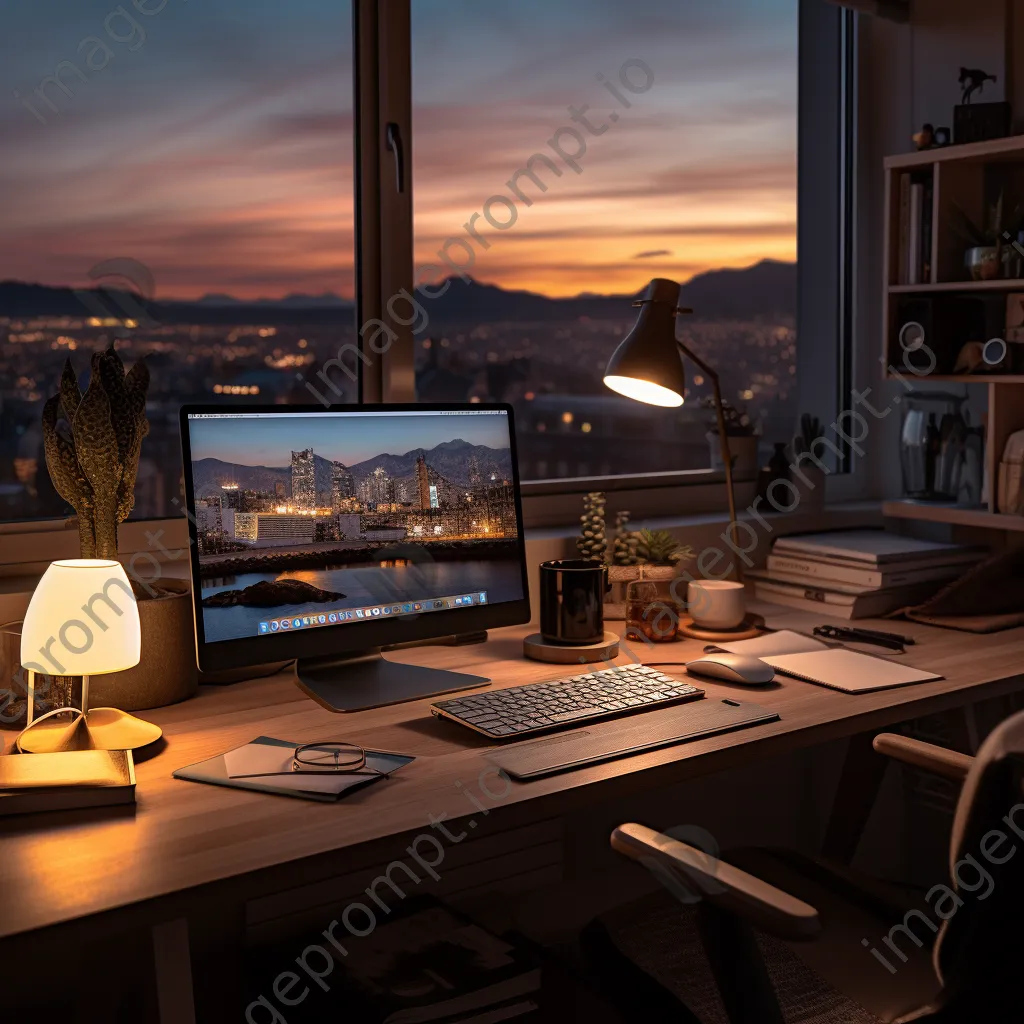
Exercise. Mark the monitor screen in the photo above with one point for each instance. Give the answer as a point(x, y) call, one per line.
point(305, 522)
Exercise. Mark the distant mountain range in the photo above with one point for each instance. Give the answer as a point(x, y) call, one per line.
point(766, 289)
point(453, 460)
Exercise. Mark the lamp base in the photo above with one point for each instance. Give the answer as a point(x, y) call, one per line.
point(97, 729)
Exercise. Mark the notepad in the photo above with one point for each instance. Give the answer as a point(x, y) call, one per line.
point(808, 659)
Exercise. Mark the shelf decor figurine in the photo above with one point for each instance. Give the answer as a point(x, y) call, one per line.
point(978, 122)
point(92, 442)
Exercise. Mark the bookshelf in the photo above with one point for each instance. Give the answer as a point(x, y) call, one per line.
point(953, 180)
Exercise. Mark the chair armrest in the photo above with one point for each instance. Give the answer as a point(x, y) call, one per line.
point(720, 883)
point(948, 763)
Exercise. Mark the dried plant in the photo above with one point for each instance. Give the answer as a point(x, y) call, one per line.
point(92, 443)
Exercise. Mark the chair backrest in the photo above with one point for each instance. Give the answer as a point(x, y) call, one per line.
point(981, 947)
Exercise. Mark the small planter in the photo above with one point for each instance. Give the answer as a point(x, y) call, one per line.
point(167, 672)
point(743, 451)
point(619, 576)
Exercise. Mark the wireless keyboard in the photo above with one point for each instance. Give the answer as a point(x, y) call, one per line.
point(541, 707)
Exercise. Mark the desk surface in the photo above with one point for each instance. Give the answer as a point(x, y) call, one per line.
point(56, 869)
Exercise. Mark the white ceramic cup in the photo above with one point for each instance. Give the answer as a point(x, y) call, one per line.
point(717, 604)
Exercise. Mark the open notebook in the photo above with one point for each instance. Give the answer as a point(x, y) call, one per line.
point(813, 661)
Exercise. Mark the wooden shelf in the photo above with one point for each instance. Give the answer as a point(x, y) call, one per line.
point(958, 286)
point(952, 515)
point(988, 151)
point(960, 378)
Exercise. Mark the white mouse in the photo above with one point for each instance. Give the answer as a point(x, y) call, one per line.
point(732, 668)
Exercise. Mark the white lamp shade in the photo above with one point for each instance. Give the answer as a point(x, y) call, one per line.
point(82, 620)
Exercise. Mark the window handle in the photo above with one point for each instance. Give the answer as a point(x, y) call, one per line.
point(393, 136)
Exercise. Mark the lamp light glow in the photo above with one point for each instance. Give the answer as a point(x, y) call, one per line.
point(644, 391)
point(82, 620)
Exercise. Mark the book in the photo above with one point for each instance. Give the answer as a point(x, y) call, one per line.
point(843, 605)
point(927, 229)
point(914, 245)
point(903, 236)
point(873, 548)
point(834, 666)
point(854, 579)
point(66, 780)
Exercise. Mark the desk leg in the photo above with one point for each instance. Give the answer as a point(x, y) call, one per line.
point(173, 972)
point(859, 786)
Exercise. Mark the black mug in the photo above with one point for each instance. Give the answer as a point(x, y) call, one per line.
point(572, 601)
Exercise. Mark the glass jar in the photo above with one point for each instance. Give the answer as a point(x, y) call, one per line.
point(650, 617)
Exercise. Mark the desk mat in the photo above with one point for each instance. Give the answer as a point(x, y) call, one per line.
point(625, 737)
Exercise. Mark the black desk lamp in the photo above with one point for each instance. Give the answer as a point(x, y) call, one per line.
point(647, 368)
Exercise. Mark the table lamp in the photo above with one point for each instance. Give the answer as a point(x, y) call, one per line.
point(647, 367)
point(83, 620)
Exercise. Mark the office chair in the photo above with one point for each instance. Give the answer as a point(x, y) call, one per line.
point(774, 937)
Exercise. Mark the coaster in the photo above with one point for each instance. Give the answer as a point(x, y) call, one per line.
point(539, 649)
point(751, 627)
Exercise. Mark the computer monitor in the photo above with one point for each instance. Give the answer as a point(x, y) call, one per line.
point(323, 536)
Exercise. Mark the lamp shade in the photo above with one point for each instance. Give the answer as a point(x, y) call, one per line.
point(647, 365)
point(82, 620)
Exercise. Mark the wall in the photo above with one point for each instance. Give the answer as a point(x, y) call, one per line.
point(908, 76)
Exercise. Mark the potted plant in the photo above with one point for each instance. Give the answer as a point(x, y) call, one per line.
point(743, 440)
point(92, 442)
point(805, 474)
point(983, 258)
point(659, 554)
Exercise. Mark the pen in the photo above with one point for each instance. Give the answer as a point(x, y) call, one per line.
point(893, 641)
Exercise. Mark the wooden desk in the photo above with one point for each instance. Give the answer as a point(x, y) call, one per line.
point(189, 847)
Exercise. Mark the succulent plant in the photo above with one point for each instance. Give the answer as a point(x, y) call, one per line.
point(591, 543)
point(659, 547)
point(92, 443)
point(625, 543)
point(737, 421)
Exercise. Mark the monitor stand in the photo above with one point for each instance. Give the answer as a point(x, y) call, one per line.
point(363, 679)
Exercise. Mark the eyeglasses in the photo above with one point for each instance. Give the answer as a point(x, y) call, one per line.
point(331, 757)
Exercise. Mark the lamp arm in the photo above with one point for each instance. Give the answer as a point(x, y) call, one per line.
point(723, 440)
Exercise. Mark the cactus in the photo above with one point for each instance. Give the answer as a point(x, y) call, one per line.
point(659, 547)
point(625, 544)
point(591, 542)
point(92, 443)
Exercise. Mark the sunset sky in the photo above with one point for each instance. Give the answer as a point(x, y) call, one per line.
point(218, 151)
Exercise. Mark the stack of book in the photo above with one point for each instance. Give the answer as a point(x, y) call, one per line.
point(854, 574)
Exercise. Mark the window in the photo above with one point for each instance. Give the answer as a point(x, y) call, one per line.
point(565, 154)
point(178, 181)
point(182, 180)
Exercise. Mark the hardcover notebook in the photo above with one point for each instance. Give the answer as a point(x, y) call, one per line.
point(66, 780)
point(254, 766)
point(838, 668)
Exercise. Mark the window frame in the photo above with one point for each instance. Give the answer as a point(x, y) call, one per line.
point(382, 96)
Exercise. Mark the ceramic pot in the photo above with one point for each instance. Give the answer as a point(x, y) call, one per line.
point(743, 451)
point(983, 262)
point(166, 673)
